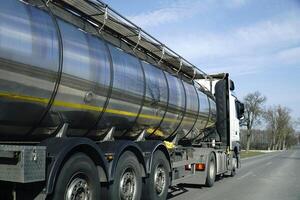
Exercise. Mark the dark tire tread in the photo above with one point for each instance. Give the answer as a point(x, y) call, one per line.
point(149, 192)
point(78, 163)
point(127, 159)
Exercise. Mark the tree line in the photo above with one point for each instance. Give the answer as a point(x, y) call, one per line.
point(269, 127)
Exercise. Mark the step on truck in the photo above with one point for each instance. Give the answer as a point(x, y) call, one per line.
point(93, 107)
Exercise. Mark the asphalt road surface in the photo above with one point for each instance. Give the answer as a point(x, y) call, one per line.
point(275, 176)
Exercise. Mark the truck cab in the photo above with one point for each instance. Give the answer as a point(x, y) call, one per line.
point(229, 109)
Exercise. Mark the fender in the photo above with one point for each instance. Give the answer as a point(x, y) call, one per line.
point(149, 147)
point(60, 149)
point(117, 148)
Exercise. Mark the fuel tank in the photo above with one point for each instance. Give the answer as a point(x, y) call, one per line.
point(56, 69)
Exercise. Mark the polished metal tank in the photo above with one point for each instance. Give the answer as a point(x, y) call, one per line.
point(56, 69)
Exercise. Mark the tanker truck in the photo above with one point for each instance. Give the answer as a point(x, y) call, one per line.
point(93, 107)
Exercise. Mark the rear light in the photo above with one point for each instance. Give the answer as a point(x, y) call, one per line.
point(188, 167)
point(200, 167)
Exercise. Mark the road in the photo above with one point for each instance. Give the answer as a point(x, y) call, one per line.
point(275, 176)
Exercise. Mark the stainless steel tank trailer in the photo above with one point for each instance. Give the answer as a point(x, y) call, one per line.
point(88, 100)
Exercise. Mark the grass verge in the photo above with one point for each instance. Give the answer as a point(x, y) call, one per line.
point(244, 154)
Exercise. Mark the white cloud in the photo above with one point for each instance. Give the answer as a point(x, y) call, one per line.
point(263, 36)
point(241, 50)
point(244, 49)
point(177, 10)
point(290, 56)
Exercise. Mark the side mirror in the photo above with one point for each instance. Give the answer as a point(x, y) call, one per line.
point(231, 85)
point(240, 109)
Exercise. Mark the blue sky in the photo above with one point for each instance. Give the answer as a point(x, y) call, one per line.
point(256, 41)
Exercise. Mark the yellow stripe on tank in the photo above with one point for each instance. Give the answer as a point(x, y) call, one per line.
point(76, 106)
point(25, 98)
point(84, 107)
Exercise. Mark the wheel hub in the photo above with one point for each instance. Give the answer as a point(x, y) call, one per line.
point(128, 185)
point(78, 189)
point(160, 180)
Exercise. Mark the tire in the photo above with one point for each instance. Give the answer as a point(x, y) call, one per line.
point(234, 167)
point(211, 171)
point(127, 176)
point(160, 170)
point(78, 172)
point(233, 172)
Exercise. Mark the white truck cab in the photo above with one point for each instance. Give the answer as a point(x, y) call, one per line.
point(235, 109)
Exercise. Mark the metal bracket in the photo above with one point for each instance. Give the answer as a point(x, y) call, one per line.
point(180, 66)
point(139, 39)
point(47, 2)
point(194, 75)
point(141, 136)
point(210, 84)
point(104, 19)
point(162, 54)
point(174, 141)
point(63, 131)
point(109, 135)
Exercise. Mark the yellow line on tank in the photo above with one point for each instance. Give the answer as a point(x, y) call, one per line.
point(82, 106)
point(25, 98)
point(76, 105)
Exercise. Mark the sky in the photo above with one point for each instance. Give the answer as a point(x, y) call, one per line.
point(256, 41)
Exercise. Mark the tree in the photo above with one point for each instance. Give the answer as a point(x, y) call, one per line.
point(253, 110)
point(270, 116)
point(280, 126)
point(285, 126)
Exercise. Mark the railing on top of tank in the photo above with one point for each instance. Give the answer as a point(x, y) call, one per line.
point(107, 19)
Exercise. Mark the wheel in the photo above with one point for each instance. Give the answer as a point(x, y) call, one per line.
point(234, 166)
point(211, 171)
point(78, 179)
point(128, 179)
point(157, 184)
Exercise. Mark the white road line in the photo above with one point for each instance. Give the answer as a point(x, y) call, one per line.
point(245, 175)
point(269, 163)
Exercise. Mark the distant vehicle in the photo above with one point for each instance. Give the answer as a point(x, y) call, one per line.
point(89, 100)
